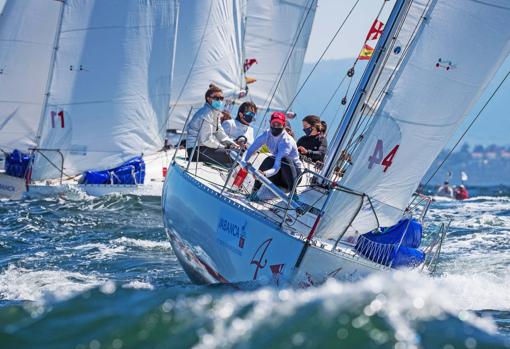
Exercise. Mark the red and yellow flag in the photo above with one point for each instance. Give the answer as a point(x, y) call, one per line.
point(366, 53)
point(249, 80)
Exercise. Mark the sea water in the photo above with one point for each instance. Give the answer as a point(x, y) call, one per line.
point(82, 272)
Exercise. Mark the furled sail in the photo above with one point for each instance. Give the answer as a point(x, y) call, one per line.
point(276, 38)
point(209, 49)
point(456, 49)
point(110, 88)
point(27, 36)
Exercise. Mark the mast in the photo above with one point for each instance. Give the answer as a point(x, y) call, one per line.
point(360, 93)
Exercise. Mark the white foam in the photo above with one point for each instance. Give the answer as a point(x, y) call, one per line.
point(146, 244)
point(42, 285)
point(401, 297)
point(139, 285)
point(101, 251)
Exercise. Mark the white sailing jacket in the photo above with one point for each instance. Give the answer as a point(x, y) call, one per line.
point(206, 127)
point(282, 146)
point(235, 129)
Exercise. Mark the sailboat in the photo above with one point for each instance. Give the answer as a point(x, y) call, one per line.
point(358, 216)
point(27, 37)
point(106, 99)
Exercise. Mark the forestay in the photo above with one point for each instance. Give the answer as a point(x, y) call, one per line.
point(277, 34)
point(110, 87)
point(456, 51)
point(209, 49)
point(28, 30)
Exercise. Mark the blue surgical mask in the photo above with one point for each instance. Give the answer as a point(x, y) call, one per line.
point(307, 131)
point(218, 105)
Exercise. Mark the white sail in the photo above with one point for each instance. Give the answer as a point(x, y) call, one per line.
point(28, 30)
point(209, 50)
point(277, 34)
point(455, 52)
point(110, 88)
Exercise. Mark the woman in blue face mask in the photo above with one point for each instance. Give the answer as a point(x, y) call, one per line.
point(313, 145)
point(206, 139)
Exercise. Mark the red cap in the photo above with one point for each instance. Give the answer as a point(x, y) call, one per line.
point(277, 116)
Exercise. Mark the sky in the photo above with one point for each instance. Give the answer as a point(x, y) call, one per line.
point(493, 126)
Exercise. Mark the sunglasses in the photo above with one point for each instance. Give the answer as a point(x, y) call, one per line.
point(218, 98)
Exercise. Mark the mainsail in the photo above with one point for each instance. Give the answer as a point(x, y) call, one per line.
point(209, 49)
point(110, 88)
point(276, 38)
point(451, 52)
point(27, 36)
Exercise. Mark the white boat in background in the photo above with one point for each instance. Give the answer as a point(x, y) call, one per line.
point(433, 61)
point(105, 97)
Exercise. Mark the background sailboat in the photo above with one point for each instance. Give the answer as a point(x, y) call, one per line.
point(109, 92)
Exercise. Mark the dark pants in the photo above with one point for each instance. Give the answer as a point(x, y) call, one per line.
point(285, 178)
point(213, 156)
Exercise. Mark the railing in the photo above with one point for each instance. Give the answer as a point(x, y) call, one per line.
point(59, 152)
point(294, 210)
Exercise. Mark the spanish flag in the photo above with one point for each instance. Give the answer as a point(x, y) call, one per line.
point(366, 53)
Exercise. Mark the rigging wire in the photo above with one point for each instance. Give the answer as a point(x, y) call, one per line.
point(349, 74)
point(188, 76)
point(468, 128)
point(323, 53)
point(363, 121)
point(286, 64)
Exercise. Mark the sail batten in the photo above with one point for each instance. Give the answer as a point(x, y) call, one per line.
point(451, 59)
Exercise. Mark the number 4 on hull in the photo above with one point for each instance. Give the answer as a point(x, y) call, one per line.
point(377, 156)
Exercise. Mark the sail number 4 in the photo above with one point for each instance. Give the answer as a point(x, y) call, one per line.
point(379, 158)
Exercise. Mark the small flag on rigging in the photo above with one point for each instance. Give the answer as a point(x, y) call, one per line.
point(248, 63)
point(375, 31)
point(249, 80)
point(366, 53)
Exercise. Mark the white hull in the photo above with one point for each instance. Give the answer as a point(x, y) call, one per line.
point(147, 189)
point(153, 186)
point(11, 188)
point(219, 240)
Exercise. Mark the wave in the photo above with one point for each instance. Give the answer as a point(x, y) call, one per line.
point(145, 244)
point(43, 286)
point(397, 310)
